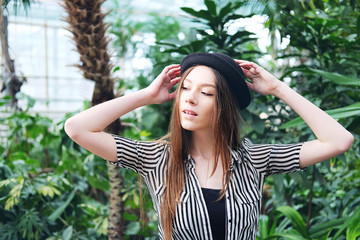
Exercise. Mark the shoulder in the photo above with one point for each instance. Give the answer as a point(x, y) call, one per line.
point(142, 142)
point(248, 147)
point(147, 146)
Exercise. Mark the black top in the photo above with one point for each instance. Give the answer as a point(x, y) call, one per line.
point(216, 210)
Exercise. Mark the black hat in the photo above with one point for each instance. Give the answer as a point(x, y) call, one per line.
point(228, 68)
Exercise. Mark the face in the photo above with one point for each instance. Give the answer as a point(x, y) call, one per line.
point(197, 99)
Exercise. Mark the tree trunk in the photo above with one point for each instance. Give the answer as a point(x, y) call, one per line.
point(12, 83)
point(88, 28)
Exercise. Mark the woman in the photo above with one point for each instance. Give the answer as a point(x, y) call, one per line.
point(205, 182)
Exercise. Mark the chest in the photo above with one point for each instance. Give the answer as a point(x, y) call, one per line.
point(207, 176)
point(242, 206)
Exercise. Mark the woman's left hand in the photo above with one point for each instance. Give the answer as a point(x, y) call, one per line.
point(262, 81)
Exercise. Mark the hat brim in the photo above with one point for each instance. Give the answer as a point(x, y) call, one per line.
point(228, 68)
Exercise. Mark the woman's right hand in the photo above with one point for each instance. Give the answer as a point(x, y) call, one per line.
point(91, 135)
point(159, 89)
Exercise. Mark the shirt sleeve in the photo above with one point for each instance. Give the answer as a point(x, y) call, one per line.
point(273, 158)
point(139, 156)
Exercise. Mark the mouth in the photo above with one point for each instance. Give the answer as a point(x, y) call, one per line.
point(189, 112)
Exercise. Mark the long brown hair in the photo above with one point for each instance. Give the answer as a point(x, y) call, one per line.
point(226, 131)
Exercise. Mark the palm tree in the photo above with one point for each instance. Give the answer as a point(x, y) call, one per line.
point(86, 23)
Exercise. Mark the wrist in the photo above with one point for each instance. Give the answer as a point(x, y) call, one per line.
point(280, 89)
point(147, 96)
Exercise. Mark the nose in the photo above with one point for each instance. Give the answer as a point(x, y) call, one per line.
point(191, 98)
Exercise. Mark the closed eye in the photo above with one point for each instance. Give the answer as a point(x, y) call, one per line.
point(184, 88)
point(207, 94)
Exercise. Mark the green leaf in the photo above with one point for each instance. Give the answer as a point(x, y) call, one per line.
point(337, 78)
point(296, 220)
point(263, 226)
point(48, 190)
point(7, 182)
point(67, 233)
point(225, 10)
point(5, 100)
point(199, 14)
point(101, 225)
point(239, 34)
point(133, 228)
point(349, 224)
point(258, 124)
point(339, 113)
point(117, 68)
point(99, 182)
point(353, 231)
point(211, 6)
point(289, 235)
point(320, 229)
point(130, 217)
point(61, 209)
point(14, 194)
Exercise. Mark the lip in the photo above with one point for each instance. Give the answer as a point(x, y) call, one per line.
point(189, 113)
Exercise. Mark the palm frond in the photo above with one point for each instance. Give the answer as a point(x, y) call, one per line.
point(17, 4)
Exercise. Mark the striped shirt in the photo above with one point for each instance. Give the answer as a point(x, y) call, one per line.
point(250, 165)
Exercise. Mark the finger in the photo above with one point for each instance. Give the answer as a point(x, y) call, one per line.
point(175, 72)
point(253, 71)
point(169, 67)
point(250, 85)
point(174, 81)
point(173, 66)
point(248, 73)
point(239, 61)
point(248, 64)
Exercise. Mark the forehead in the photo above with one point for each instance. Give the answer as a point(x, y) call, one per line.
point(201, 75)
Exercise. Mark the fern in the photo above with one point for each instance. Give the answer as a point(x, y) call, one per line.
point(30, 225)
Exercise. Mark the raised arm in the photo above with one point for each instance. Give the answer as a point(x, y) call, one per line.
point(332, 138)
point(86, 128)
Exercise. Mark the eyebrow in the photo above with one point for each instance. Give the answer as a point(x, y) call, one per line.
point(203, 85)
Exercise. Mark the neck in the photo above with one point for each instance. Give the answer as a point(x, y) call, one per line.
point(202, 143)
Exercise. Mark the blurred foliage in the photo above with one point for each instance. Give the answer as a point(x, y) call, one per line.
point(322, 64)
point(50, 188)
point(48, 185)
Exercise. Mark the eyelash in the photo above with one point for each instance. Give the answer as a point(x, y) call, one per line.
point(205, 93)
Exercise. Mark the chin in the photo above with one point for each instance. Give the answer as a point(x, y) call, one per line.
point(188, 127)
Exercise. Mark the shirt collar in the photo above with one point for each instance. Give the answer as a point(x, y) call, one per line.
point(236, 158)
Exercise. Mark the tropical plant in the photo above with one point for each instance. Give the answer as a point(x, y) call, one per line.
point(342, 228)
point(323, 49)
point(49, 187)
point(215, 24)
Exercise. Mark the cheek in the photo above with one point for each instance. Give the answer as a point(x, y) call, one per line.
point(210, 110)
point(180, 100)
